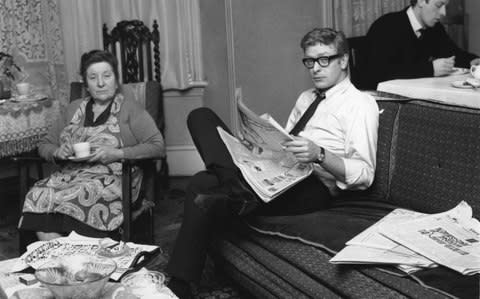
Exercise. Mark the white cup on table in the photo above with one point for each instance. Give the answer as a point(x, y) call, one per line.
point(23, 88)
point(475, 71)
point(81, 149)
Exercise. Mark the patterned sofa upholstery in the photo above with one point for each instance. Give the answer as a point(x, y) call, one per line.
point(428, 160)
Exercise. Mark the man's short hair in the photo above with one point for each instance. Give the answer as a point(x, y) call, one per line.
point(413, 2)
point(325, 36)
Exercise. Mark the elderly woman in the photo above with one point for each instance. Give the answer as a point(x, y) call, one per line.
point(85, 196)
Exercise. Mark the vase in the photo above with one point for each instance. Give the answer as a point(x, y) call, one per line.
point(5, 88)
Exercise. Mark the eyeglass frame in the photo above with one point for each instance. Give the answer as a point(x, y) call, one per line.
point(318, 60)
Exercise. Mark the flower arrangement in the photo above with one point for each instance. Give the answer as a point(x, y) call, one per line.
point(9, 72)
point(8, 67)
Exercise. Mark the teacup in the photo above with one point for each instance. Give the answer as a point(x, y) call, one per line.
point(475, 71)
point(81, 149)
point(23, 88)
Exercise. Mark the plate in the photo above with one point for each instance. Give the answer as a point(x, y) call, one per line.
point(459, 71)
point(461, 84)
point(30, 97)
point(75, 159)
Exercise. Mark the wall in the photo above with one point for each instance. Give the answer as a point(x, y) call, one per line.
point(473, 10)
point(249, 44)
point(268, 56)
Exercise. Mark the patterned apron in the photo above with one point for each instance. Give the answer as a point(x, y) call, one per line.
point(88, 192)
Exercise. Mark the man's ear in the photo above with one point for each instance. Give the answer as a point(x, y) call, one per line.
point(344, 61)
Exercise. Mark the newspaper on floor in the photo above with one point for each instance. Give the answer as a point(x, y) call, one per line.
point(260, 156)
point(371, 246)
point(449, 239)
point(40, 252)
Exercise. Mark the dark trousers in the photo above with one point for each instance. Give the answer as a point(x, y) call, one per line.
point(188, 256)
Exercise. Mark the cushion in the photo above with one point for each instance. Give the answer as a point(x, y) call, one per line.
point(381, 184)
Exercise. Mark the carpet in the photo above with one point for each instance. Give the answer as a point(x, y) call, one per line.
point(168, 218)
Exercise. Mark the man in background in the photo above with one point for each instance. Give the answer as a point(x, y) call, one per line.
point(412, 43)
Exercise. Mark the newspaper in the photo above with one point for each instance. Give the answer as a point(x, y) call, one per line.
point(260, 155)
point(452, 240)
point(424, 241)
point(40, 252)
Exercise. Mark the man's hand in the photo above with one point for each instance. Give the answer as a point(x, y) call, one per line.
point(303, 149)
point(106, 155)
point(443, 66)
point(475, 61)
point(63, 152)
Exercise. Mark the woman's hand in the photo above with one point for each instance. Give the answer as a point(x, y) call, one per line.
point(63, 152)
point(303, 149)
point(106, 155)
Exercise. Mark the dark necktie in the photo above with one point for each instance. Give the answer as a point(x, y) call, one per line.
point(422, 33)
point(300, 125)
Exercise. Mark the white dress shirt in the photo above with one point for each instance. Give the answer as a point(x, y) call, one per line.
point(416, 26)
point(346, 124)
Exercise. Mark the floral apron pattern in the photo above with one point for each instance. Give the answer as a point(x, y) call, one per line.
point(88, 192)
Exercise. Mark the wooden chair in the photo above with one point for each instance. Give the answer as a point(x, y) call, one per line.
point(137, 49)
point(147, 93)
point(358, 47)
point(133, 42)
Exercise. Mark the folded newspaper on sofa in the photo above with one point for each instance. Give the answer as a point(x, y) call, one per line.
point(451, 238)
point(260, 156)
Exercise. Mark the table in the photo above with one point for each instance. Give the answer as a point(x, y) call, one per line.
point(438, 89)
point(24, 123)
point(14, 289)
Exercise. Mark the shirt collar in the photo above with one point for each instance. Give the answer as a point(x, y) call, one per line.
point(416, 26)
point(337, 88)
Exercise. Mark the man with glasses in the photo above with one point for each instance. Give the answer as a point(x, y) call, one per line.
point(412, 43)
point(334, 126)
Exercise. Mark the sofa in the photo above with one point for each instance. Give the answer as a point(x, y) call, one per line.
point(428, 160)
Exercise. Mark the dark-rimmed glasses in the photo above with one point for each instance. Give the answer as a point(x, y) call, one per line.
point(323, 61)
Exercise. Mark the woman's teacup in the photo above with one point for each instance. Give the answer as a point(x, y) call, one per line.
point(475, 71)
point(81, 149)
point(23, 88)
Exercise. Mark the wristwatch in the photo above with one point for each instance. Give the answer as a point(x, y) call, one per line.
point(320, 155)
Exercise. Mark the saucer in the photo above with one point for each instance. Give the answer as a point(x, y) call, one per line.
point(34, 97)
point(461, 84)
point(459, 71)
point(75, 159)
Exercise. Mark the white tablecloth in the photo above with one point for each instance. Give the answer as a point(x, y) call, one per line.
point(437, 89)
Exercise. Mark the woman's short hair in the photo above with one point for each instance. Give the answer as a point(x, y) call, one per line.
point(95, 56)
point(325, 36)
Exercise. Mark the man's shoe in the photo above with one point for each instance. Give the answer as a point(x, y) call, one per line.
point(180, 288)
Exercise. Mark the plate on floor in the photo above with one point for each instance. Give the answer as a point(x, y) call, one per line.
point(75, 159)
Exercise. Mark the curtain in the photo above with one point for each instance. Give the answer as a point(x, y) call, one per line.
point(30, 31)
point(354, 17)
point(179, 26)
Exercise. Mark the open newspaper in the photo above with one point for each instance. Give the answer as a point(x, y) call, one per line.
point(41, 252)
point(260, 156)
point(451, 239)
